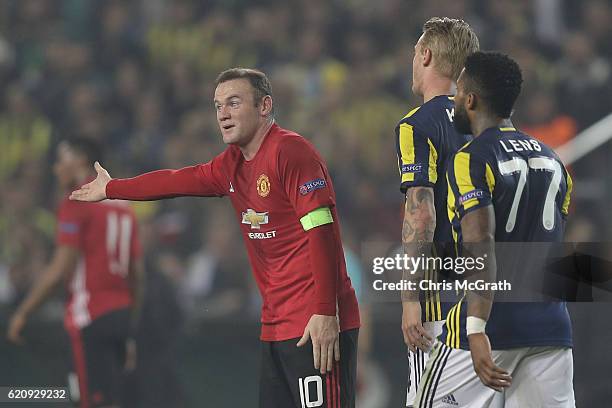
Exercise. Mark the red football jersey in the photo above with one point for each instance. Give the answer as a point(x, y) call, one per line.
point(107, 236)
point(285, 180)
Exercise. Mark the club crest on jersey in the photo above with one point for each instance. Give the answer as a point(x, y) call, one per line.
point(263, 186)
point(313, 185)
point(411, 168)
point(254, 219)
point(470, 196)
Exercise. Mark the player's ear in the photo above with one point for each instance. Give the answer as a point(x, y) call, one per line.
point(426, 57)
point(471, 101)
point(266, 105)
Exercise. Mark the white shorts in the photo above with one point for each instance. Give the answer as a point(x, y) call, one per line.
point(418, 360)
point(542, 377)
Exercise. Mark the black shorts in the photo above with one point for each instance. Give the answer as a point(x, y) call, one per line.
point(99, 357)
point(288, 378)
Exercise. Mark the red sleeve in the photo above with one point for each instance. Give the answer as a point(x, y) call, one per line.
point(70, 222)
point(304, 176)
point(307, 185)
point(325, 261)
point(200, 180)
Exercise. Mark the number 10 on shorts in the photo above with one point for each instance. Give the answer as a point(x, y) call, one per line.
point(310, 401)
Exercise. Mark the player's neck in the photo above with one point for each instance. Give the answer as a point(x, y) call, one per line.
point(437, 86)
point(250, 149)
point(480, 124)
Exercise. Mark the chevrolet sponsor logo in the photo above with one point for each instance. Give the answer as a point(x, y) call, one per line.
point(254, 219)
point(262, 235)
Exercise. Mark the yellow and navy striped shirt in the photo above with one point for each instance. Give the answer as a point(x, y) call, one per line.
point(529, 189)
point(426, 140)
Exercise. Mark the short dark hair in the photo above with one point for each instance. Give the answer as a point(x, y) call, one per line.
point(496, 78)
point(259, 81)
point(89, 148)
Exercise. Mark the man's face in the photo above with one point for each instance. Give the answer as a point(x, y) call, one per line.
point(461, 119)
point(237, 114)
point(417, 68)
point(65, 166)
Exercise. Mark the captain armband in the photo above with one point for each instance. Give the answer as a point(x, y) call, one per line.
point(316, 218)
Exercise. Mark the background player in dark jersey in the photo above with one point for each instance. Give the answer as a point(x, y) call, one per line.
point(503, 186)
point(104, 282)
point(284, 201)
point(426, 140)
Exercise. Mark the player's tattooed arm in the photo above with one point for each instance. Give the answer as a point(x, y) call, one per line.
point(417, 236)
point(417, 231)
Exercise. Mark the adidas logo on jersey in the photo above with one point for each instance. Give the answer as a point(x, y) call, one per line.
point(450, 400)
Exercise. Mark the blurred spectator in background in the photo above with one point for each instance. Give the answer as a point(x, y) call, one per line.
point(216, 281)
point(584, 74)
point(25, 134)
point(597, 15)
point(544, 121)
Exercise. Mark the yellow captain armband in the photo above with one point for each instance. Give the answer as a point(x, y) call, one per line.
point(316, 218)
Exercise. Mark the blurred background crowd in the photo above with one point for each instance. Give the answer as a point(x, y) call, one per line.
point(138, 75)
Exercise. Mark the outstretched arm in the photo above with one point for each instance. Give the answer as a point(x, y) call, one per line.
point(189, 181)
point(64, 261)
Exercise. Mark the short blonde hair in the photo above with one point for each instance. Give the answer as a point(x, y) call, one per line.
point(450, 41)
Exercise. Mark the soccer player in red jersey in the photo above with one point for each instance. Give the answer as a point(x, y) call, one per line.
point(98, 258)
point(284, 201)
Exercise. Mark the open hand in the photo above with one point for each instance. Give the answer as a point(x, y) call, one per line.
point(96, 190)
